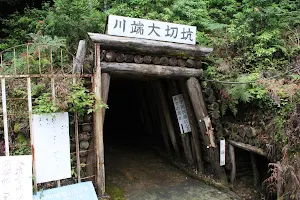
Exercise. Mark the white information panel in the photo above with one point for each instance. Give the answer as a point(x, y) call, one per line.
point(181, 113)
point(222, 152)
point(51, 146)
point(150, 29)
point(15, 177)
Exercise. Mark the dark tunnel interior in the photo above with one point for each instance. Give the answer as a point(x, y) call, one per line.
point(124, 122)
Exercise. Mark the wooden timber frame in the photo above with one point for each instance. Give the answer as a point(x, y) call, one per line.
point(180, 64)
point(252, 150)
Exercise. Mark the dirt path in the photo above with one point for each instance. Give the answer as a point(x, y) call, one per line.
point(139, 174)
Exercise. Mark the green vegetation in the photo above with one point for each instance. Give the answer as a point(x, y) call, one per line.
point(254, 41)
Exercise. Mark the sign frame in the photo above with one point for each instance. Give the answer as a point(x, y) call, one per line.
point(151, 30)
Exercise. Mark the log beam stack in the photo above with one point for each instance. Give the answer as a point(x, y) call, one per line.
point(114, 56)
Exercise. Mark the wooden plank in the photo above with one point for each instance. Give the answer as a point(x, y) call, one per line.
point(248, 147)
point(98, 126)
point(195, 134)
point(233, 164)
point(167, 116)
point(135, 69)
point(196, 96)
point(143, 46)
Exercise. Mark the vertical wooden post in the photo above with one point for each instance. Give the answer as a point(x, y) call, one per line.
point(4, 109)
point(185, 138)
point(105, 83)
point(98, 126)
point(80, 56)
point(255, 170)
point(167, 116)
point(90, 169)
point(233, 164)
point(195, 134)
point(163, 126)
point(29, 99)
point(196, 96)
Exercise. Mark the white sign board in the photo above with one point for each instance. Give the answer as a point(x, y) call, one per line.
point(222, 152)
point(150, 29)
point(15, 177)
point(51, 146)
point(181, 113)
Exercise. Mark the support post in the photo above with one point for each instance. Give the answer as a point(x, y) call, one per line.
point(196, 96)
point(233, 164)
point(167, 116)
point(29, 100)
point(195, 134)
point(4, 109)
point(185, 138)
point(163, 126)
point(90, 167)
point(255, 170)
point(80, 56)
point(98, 126)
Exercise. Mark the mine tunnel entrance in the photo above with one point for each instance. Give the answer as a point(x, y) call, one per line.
point(133, 167)
point(124, 120)
point(247, 181)
point(130, 160)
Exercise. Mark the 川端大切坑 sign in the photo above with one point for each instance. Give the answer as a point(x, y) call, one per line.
point(151, 29)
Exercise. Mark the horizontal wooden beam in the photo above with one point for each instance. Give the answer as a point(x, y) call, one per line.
point(149, 70)
point(151, 47)
point(248, 147)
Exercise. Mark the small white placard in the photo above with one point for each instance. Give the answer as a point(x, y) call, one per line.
point(222, 152)
point(181, 113)
point(51, 146)
point(15, 177)
point(150, 29)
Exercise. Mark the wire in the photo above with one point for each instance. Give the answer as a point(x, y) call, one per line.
point(254, 81)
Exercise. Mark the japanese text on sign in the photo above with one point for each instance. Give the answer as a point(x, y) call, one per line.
point(150, 29)
point(52, 146)
point(15, 177)
point(79, 191)
point(181, 113)
point(222, 152)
